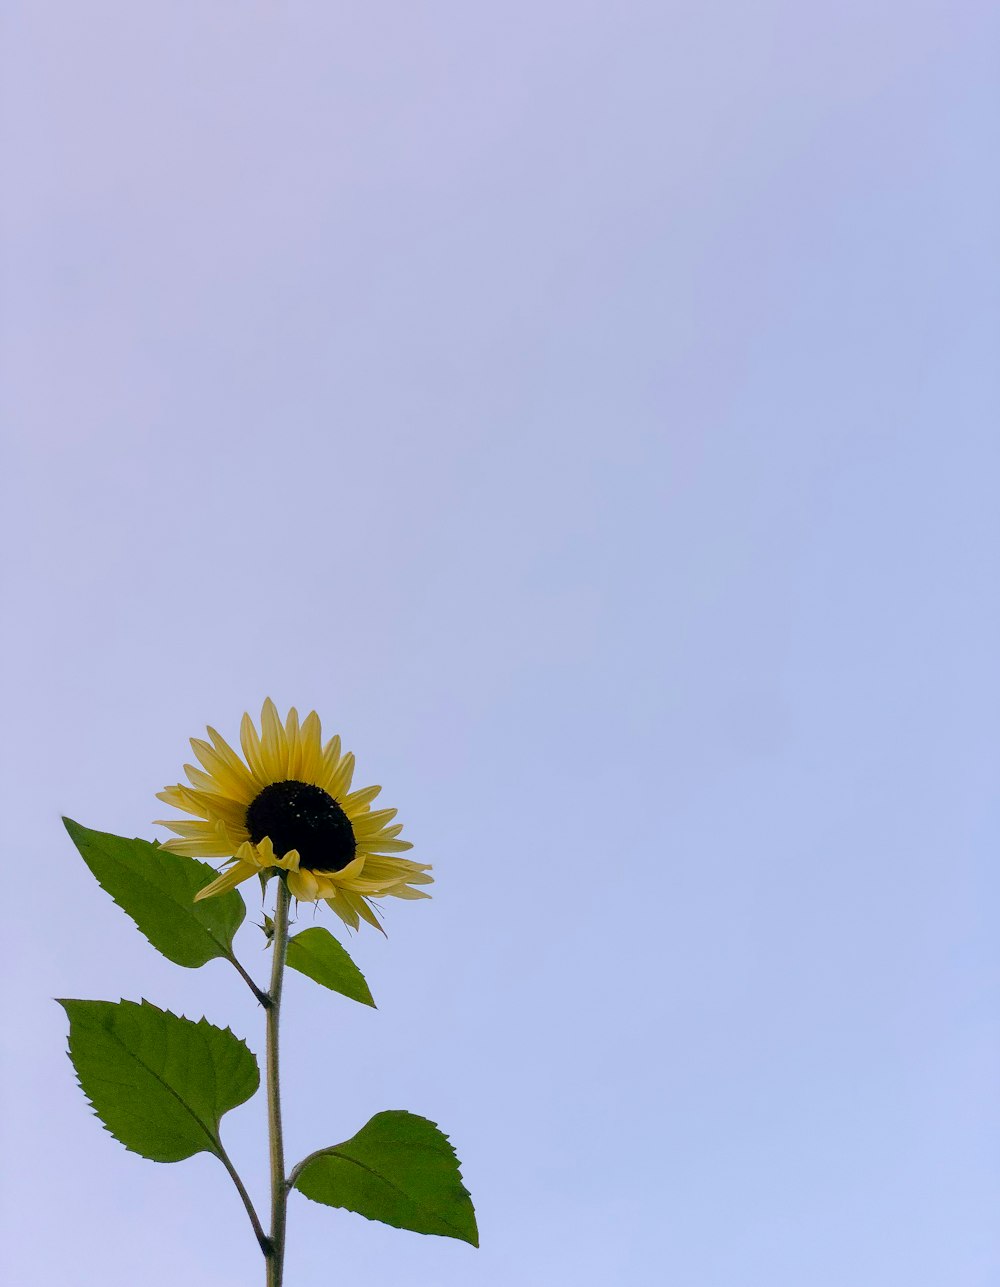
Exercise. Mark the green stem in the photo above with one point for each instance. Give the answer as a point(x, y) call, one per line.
point(279, 1193)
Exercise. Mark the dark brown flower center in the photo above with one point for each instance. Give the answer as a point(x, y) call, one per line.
point(297, 815)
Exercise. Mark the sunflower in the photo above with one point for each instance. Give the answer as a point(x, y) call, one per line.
point(289, 805)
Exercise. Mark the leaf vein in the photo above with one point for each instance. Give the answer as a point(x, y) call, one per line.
point(385, 1180)
point(212, 1135)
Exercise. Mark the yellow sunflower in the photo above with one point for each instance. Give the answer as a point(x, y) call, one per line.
point(289, 805)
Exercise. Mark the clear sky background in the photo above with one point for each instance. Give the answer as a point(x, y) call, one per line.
point(591, 410)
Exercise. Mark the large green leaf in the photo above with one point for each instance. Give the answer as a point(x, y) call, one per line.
point(399, 1169)
point(316, 953)
point(157, 889)
point(159, 1083)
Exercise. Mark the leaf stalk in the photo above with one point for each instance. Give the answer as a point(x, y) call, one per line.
point(299, 1167)
point(262, 997)
point(262, 1238)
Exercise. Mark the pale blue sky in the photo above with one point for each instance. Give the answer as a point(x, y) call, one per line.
point(591, 410)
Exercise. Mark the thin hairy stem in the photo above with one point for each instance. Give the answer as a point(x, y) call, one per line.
point(279, 1193)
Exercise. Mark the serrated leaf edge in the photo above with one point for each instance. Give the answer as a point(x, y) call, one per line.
point(214, 1138)
point(449, 1149)
point(226, 948)
point(364, 982)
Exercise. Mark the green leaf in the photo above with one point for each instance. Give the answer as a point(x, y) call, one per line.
point(159, 1083)
point(157, 888)
point(399, 1169)
point(317, 954)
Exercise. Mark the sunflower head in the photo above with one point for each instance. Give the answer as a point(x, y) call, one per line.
point(287, 805)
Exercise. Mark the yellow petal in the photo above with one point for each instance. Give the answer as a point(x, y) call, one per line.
point(310, 749)
point(274, 744)
point(340, 782)
point(294, 748)
point(227, 753)
point(358, 801)
point(251, 749)
point(380, 866)
point(236, 875)
point(378, 845)
point(265, 855)
point(374, 821)
point(200, 779)
point(361, 885)
point(183, 827)
point(346, 874)
point(330, 762)
point(364, 910)
point(208, 848)
point(303, 886)
point(327, 889)
point(228, 781)
point(206, 804)
point(344, 910)
point(179, 797)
